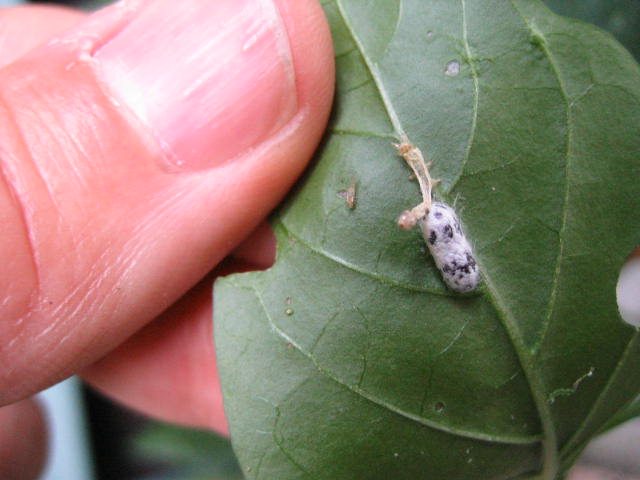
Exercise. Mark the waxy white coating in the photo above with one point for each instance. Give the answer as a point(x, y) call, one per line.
point(440, 226)
point(449, 247)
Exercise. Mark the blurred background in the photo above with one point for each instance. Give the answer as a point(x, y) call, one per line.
point(92, 438)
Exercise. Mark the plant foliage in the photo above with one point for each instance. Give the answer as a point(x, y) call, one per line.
point(349, 358)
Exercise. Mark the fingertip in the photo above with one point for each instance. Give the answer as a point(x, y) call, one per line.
point(112, 236)
point(23, 441)
point(312, 50)
point(258, 249)
point(167, 370)
point(24, 27)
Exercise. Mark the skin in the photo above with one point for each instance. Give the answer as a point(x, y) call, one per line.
point(152, 351)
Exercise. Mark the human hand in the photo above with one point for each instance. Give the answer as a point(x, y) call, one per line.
point(137, 150)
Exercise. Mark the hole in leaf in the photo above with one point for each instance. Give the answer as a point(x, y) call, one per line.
point(628, 290)
point(440, 407)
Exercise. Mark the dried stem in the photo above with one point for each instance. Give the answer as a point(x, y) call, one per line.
point(413, 156)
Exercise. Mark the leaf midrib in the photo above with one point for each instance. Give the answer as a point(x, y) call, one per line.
point(571, 444)
point(522, 353)
point(549, 442)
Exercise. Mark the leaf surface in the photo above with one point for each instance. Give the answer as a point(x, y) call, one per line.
point(620, 17)
point(349, 358)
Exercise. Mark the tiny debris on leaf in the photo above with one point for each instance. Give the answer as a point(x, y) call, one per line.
point(565, 392)
point(349, 195)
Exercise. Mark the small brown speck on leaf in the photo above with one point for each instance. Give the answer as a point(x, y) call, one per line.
point(349, 195)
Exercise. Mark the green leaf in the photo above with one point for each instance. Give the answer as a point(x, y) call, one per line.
point(630, 412)
point(349, 358)
point(189, 453)
point(620, 17)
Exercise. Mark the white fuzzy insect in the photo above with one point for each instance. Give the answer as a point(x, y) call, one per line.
point(449, 247)
point(440, 227)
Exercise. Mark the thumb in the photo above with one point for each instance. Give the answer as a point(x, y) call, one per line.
point(135, 151)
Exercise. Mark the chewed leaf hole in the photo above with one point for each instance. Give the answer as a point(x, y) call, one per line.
point(439, 407)
point(628, 290)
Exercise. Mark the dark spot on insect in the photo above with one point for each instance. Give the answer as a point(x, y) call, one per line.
point(460, 275)
point(448, 269)
point(438, 214)
point(470, 260)
point(448, 231)
point(433, 237)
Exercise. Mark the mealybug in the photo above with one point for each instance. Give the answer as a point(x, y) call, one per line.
point(440, 227)
point(449, 247)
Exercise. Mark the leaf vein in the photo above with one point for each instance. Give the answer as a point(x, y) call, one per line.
point(514, 440)
point(361, 133)
point(536, 386)
point(565, 201)
point(355, 268)
point(573, 442)
point(284, 452)
point(374, 72)
point(476, 96)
